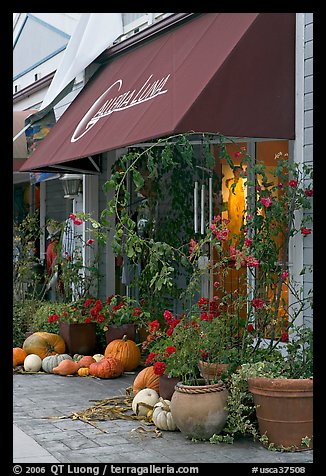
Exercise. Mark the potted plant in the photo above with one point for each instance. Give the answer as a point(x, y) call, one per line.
point(197, 405)
point(77, 327)
point(120, 315)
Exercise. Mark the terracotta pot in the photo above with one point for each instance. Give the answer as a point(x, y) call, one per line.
point(166, 386)
point(79, 338)
point(284, 409)
point(211, 371)
point(117, 332)
point(199, 410)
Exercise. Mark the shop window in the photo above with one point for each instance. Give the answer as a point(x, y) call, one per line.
point(230, 203)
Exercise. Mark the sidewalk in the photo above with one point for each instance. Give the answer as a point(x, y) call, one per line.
point(40, 439)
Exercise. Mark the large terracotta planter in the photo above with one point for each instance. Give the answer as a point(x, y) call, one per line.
point(284, 409)
point(199, 410)
point(79, 338)
point(166, 386)
point(117, 332)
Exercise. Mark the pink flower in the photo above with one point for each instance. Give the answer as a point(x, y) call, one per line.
point(90, 241)
point(305, 231)
point(266, 201)
point(285, 274)
point(248, 242)
point(72, 216)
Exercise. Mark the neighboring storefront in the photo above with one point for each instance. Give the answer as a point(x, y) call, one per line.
point(228, 73)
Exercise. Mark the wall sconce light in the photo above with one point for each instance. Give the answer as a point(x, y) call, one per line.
point(72, 185)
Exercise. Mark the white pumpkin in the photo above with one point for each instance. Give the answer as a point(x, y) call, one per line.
point(98, 357)
point(32, 363)
point(162, 416)
point(148, 397)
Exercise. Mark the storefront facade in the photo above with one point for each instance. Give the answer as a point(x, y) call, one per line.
point(247, 76)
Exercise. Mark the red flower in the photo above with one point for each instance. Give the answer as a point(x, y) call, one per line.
point(88, 319)
point(285, 336)
point(309, 192)
point(154, 326)
point(88, 302)
point(137, 311)
point(258, 303)
point(305, 231)
point(151, 356)
point(250, 327)
point(78, 221)
point(203, 353)
point(159, 368)
point(90, 241)
point(170, 349)
point(293, 183)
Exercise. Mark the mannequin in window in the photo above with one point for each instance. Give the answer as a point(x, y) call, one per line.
point(236, 201)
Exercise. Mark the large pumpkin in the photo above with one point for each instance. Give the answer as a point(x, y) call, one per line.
point(44, 344)
point(108, 367)
point(51, 361)
point(126, 350)
point(18, 356)
point(146, 379)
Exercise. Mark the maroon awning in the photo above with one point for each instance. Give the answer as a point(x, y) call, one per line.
point(229, 73)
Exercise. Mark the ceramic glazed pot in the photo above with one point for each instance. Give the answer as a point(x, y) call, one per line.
point(79, 338)
point(284, 409)
point(117, 332)
point(166, 386)
point(199, 410)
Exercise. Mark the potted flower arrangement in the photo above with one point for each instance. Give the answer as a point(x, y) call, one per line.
point(77, 326)
point(118, 316)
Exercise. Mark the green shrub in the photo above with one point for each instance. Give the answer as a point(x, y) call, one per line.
point(23, 315)
point(40, 320)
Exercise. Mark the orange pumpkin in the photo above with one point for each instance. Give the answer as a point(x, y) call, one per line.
point(86, 361)
point(18, 355)
point(146, 379)
point(66, 367)
point(126, 350)
point(44, 344)
point(108, 367)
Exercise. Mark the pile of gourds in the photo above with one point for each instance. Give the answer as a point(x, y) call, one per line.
point(46, 351)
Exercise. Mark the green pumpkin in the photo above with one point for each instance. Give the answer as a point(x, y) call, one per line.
point(52, 361)
point(77, 357)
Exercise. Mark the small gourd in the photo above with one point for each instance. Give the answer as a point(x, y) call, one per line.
point(108, 367)
point(77, 357)
point(48, 363)
point(66, 367)
point(32, 363)
point(83, 371)
point(144, 401)
point(162, 416)
point(86, 361)
point(19, 355)
point(98, 357)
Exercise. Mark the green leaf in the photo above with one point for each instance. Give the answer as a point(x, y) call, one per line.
point(137, 179)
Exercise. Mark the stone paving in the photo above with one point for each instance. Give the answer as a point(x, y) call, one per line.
point(41, 439)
